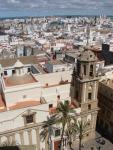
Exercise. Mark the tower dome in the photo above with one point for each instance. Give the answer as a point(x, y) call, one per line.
point(87, 56)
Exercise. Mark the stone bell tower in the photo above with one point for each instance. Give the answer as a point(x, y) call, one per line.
point(84, 88)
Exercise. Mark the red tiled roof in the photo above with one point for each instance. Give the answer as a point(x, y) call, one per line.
point(19, 80)
point(24, 104)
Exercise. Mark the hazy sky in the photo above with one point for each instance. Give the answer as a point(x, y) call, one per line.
point(55, 7)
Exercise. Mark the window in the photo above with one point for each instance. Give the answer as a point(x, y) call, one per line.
point(84, 69)
point(5, 73)
point(91, 70)
point(89, 107)
point(89, 96)
point(50, 106)
point(57, 132)
point(29, 69)
point(29, 119)
point(13, 71)
point(78, 67)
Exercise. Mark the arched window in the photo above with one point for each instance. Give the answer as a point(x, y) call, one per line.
point(91, 70)
point(89, 95)
point(29, 117)
point(89, 107)
point(78, 67)
point(84, 69)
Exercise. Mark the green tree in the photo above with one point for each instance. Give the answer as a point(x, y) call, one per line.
point(65, 114)
point(47, 129)
point(71, 132)
point(81, 129)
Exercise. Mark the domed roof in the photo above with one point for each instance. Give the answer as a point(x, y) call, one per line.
point(18, 64)
point(87, 55)
point(19, 80)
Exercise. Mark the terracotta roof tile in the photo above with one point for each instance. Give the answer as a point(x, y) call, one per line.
point(24, 104)
point(19, 80)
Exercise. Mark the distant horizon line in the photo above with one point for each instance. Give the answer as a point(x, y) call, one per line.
point(42, 16)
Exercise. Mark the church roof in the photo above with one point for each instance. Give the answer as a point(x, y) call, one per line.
point(24, 104)
point(19, 80)
point(87, 55)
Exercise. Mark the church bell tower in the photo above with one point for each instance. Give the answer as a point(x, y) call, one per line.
point(84, 88)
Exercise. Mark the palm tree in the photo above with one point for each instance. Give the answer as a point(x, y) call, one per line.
point(47, 129)
point(71, 132)
point(65, 114)
point(81, 129)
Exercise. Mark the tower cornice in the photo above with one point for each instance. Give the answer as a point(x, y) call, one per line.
point(87, 80)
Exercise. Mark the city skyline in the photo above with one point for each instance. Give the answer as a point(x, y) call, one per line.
point(13, 8)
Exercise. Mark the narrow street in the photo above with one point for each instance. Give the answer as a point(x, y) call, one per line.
point(100, 143)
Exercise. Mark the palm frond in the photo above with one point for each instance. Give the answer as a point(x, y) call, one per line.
point(64, 115)
point(43, 134)
point(81, 127)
